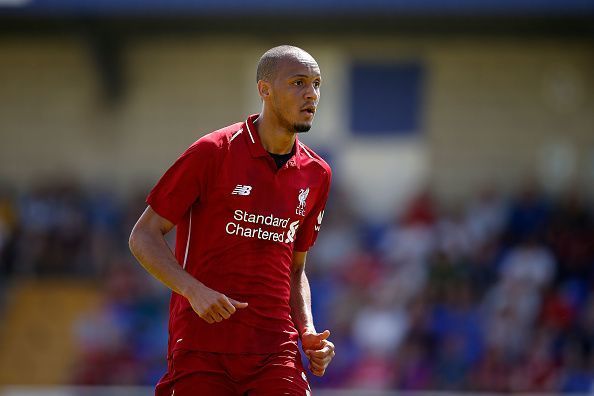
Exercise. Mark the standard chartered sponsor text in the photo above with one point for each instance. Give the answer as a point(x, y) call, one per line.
point(233, 228)
point(241, 215)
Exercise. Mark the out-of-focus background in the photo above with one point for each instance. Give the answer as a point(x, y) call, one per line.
point(457, 250)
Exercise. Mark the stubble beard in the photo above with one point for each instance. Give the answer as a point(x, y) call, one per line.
point(296, 127)
point(301, 128)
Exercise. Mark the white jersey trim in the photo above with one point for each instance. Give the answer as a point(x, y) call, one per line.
point(235, 135)
point(304, 149)
point(188, 241)
point(250, 131)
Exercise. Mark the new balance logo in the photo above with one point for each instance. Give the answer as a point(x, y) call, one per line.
point(240, 189)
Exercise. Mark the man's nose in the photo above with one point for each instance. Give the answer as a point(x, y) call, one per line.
point(312, 93)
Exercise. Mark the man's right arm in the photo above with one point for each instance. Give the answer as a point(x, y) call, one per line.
point(147, 243)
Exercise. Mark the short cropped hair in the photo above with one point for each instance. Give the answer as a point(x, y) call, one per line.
point(268, 63)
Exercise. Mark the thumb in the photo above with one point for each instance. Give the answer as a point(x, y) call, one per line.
point(238, 304)
point(314, 340)
point(324, 335)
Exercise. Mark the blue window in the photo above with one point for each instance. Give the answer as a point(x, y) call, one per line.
point(386, 99)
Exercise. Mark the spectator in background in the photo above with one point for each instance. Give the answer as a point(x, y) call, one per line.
point(413, 367)
point(9, 223)
point(493, 372)
point(380, 327)
point(410, 240)
point(509, 312)
point(578, 366)
point(571, 236)
point(530, 264)
point(538, 370)
point(456, 327)
point(486, 216)
point(54, 226)
point(454, 236)
point(529, 214)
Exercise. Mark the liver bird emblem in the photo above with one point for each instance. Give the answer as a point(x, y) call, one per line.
point(302, 197)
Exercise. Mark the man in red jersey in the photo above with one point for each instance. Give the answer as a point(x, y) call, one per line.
point(248, 201)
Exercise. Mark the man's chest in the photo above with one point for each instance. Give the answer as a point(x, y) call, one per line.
point(254, 187)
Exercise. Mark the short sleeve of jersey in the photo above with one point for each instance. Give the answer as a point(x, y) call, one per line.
point(184, 182)
point(308, 232)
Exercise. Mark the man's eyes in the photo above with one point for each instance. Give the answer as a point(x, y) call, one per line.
point(300, 83)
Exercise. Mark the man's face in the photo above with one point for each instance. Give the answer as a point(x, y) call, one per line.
point(295, 92)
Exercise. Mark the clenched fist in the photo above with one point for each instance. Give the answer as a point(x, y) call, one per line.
point(318, 350)
point(211, 305)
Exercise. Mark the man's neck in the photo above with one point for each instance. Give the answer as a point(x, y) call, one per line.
point(275, 139)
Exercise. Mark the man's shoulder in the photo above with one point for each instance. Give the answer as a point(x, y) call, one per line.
point(311, 158)
point(216, 140)
point(223, 135)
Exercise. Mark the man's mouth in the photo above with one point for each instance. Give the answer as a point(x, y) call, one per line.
point(309, 109)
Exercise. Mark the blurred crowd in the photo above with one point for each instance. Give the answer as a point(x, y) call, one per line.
point(60, 229)
point(495, 294)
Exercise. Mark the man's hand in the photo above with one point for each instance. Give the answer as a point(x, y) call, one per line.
point(211, 305)
point(150, 248)
point(318, 350)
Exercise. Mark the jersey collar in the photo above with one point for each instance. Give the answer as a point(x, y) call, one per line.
point(255, 144)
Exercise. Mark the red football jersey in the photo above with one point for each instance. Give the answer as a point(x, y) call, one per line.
point(238, 221)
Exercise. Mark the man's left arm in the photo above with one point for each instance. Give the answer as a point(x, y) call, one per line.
point(315, 345)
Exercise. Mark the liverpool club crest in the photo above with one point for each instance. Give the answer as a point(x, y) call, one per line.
point(303, 193)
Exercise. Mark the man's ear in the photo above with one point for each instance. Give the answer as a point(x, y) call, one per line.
point(264, 89)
